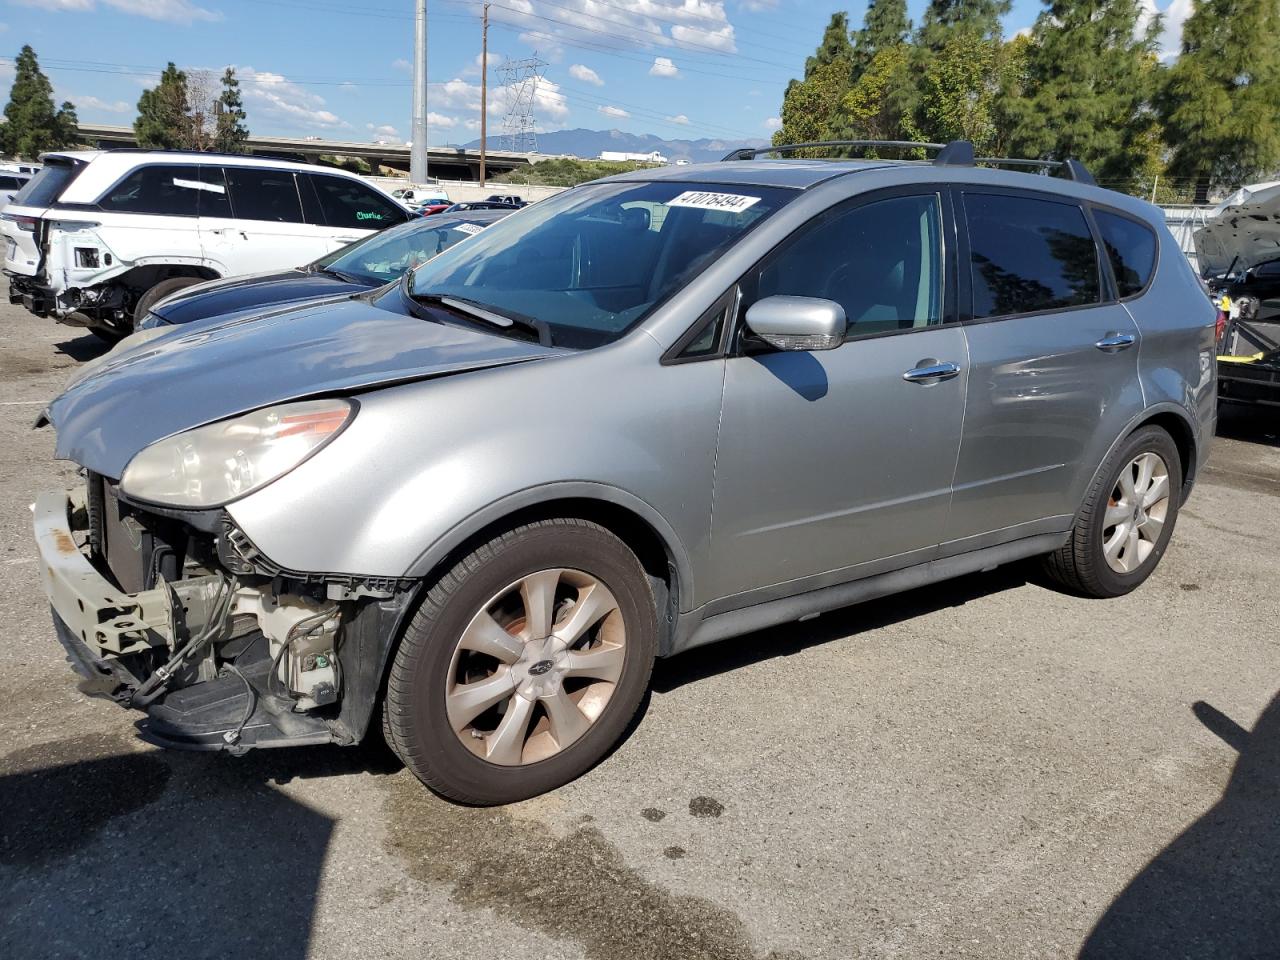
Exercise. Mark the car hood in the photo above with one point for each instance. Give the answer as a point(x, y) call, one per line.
point(186, 378)
point(261, 290)
point(1244, 228)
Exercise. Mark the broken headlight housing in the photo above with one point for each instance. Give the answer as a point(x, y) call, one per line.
point(218, 463)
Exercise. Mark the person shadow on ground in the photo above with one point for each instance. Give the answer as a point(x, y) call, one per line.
point(1215, 890)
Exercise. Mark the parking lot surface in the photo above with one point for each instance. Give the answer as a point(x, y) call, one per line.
point(985, 768)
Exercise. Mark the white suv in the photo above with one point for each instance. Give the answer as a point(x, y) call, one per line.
point(97, 237)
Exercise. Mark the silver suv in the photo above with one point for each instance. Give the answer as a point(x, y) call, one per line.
point(471, 507)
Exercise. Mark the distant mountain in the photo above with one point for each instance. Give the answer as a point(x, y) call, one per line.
point(589, 144)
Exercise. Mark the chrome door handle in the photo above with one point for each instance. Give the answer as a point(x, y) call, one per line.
point(1114, 342)
point(933, 372)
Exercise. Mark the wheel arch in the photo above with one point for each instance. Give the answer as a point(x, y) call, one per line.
point(143, 276)
point(1175, 421)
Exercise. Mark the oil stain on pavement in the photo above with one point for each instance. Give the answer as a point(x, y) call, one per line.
point(57, 796)
point(572, 887)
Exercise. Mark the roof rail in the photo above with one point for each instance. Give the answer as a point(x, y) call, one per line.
point(957, 153)
point(750, 153)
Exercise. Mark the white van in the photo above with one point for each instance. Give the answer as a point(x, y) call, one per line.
point(97, 237)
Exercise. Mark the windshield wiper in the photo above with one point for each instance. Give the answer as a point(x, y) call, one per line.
point(485, 314)
point(343, 275)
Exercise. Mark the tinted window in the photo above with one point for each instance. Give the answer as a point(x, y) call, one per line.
point(1131, 247)
point(349, 204)
point(47, 185)
point(10, 183)
point(1029, 255)
point(258, 194)
point(159, 189)
point(881, 261)
point(214, 201)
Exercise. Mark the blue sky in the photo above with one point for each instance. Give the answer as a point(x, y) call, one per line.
point(341, 70)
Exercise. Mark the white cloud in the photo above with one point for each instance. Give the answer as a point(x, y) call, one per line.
point(171, 11)
point(88, 102)
point(274, 96)
point(757, 6)
point(440, 120)
point(1169, 40)
point(773, 123)
point(688, 24)
point(384, 132)
point(663, 67)
point(584, 73)
point(403, 65)
point(1023, 32)
point(679, 118)
point(549, 104)
point(615, 113)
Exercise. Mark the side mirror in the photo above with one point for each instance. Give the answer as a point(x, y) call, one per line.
point(797, 323)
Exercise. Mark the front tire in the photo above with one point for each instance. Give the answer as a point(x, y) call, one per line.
point(524, 665)
point(1126, 521)
point(158, 293)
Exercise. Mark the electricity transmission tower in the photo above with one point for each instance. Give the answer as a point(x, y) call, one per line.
point(521, 79)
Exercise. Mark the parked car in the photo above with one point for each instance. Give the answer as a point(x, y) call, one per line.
point(370, 262)
point(507, 198)
point(481, 205)
point(471, 508)
point(97, 237)
point(10, 184)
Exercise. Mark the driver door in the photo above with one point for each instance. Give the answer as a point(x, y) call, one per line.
point(838, 464)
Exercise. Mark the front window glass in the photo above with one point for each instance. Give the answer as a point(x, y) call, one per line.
point(351, 205)
point(881, 261)
point(589, 263)
point(386, 256)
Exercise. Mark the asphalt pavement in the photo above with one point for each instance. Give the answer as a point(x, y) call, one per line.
point(986, 768)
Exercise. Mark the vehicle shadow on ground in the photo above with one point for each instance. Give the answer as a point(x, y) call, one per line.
point(82, 349)
point(793, 638)
point(1250, 424)
point(1215, 890)
point(106, 850)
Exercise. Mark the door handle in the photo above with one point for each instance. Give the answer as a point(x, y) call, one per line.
point(1115, 342)
point(931, 372)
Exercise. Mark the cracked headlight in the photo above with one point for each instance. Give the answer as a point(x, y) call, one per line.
point(215, 464)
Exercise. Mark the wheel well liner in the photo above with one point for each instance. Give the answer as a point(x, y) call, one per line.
point(147, 275)
point(1184, 439)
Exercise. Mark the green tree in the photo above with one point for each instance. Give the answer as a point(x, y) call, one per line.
point(1089, 82)
point(958, 89)
point(230, 133)
point(32, 126)
point(835, 46)
point(813, 108)
point(943, 18)
point(163, 121)
point(1221, 103)
point(884, 25)
point(882, 98)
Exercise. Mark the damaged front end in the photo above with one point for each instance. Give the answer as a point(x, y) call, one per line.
point(175, 613)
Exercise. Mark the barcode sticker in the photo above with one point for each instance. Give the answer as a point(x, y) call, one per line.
point(470, 229)
point(705, 200)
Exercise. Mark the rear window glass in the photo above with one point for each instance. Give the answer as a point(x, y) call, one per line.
point(46, 187)
point(1028, 255)
point(160, 189)
point(258, 194)
point(1131, 248)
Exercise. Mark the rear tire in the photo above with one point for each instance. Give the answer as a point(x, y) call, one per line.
point(559, 619)
point(1128, 516)
point(158, 293)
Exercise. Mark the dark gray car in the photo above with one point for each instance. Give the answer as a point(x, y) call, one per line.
point(649, 413)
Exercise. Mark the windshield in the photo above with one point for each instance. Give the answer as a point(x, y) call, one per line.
point(592, 262)
point(385, 256)
point(45, 187)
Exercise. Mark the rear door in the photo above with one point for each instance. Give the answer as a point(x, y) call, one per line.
point(251, 221)
point(347, 209)
point(837, 464)
point(1053, 366)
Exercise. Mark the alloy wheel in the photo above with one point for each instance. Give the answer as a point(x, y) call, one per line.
point(535, 667)
point(1136, 513)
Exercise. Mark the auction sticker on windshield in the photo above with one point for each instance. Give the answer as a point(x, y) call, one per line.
point(470, 229)
point(705, 200)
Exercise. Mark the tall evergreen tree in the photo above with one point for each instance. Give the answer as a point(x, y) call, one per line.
point(811, 108)
point(1089, 84)
point(230, 133)
point(163, 113)
point(1221, 103)
point(943, 17)
point(884, 25)
point(32, 126)
point(834, 47)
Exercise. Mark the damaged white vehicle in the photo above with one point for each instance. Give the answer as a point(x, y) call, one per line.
point(97, 237)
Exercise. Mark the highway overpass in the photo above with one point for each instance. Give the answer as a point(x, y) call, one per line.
point(449, 163)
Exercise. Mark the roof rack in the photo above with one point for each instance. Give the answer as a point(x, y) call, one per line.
point(957, 153)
